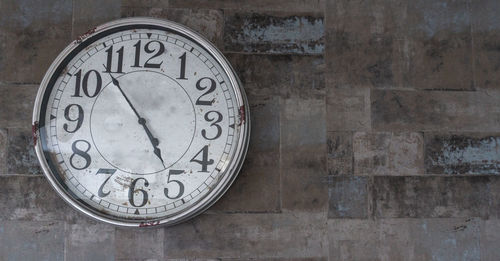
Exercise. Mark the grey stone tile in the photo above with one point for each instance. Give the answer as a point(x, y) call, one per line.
point(440, 44)
point(3, 151)
point(284, 75)
point(253, 5)
point(24, 240)
point(432, 196)
point(135, 10)
point(30, 199)
point(276, 34)
point(340, 154)
point(494, 202)
point(271, 259)
point(207, 22)
point(490, 236)
point(135, 244)
point(21, 157)
point(404, 239)
point(365, 44)
point(32, 33)
point(257, 187)
point(385, 153)
point(17, 105)
point(89, 241)
point(348, 109)
point(89, 14)
point(249, 236)
point(303, 155)
point(435, 111)
point(462, 153)
point(146, 3)
point(348, 197)
point(486, 36)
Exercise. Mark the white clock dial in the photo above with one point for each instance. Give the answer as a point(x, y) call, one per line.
point(143, 122)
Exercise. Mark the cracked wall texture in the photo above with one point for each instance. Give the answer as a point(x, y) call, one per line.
point(376, 131)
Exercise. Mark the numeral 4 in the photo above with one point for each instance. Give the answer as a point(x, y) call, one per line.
point(204, 162)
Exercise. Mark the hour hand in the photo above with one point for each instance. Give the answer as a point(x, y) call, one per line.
point(154, 141)
point(158, 154)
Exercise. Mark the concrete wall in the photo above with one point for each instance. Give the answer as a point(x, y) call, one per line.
point(376, 131)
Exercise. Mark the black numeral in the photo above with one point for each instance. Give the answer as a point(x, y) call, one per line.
point(181, 186)
point(132, 191)
point(109, 60)
point(183, 67)
point(148, 48)
point(82, 153)
point(201, 88)
point(137, 58)
point(219, 128)
point(101, 192)
point(85, 83)
point(78, 120)
point(204, 159)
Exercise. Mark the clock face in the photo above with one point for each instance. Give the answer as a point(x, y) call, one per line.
point(142, 122)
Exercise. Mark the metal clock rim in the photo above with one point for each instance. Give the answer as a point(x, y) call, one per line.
point(235, 164)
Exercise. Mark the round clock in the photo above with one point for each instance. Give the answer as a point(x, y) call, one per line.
point(141, 122)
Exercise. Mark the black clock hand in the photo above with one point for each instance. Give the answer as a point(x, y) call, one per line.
point(154, 141)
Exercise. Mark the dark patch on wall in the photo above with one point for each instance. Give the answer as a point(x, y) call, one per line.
point(462, 154)
point(258, 33)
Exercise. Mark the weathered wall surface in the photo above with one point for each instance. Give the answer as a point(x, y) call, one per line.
point(376, 131)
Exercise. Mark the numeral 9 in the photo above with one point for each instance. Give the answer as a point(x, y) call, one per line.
point(79, 119)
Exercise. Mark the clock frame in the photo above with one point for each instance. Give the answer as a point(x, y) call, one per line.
point(227, 173)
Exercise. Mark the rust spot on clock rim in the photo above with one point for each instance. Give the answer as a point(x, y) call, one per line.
point(149, 224)
point(82, 37)
point(34, 132)
point(242, 115)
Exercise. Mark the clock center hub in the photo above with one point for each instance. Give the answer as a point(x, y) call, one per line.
point(165, 109)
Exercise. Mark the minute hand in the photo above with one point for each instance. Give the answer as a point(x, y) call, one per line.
point(154, 141)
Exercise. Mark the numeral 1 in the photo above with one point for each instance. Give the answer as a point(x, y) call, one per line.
point(183, 67)
point(137, 58)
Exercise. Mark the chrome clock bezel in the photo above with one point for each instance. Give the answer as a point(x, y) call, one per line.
point(230, 172)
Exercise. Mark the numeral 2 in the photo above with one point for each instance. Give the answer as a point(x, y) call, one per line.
point(201, 88)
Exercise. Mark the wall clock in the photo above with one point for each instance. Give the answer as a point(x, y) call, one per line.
point(141, 122)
